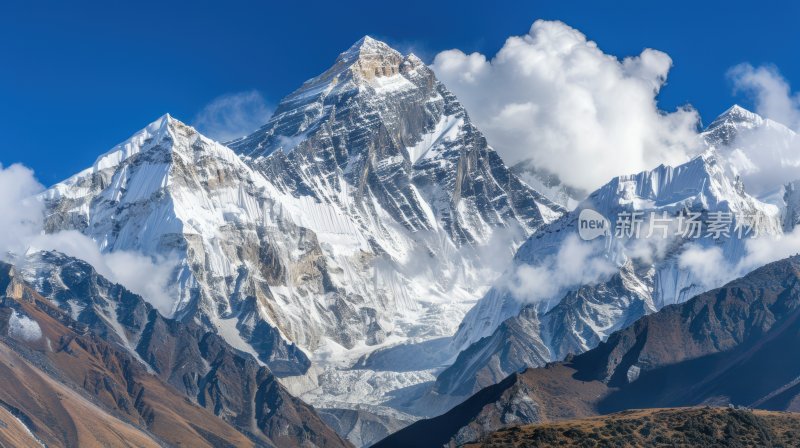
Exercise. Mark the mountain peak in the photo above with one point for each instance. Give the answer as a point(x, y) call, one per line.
point(151, 137)
point(367, 46)
point(736, 114)
point(367, 59)
point(736, 110)
point(723, 130)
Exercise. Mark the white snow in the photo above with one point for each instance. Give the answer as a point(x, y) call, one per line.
point(446, 129)
point(390, 84)
point(23, 328)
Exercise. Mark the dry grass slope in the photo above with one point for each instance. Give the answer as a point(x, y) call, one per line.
point(677, 427)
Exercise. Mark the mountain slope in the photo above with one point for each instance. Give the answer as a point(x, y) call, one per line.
point(72, 388)
point(581, 320)
point(380, 123)
point(161, 361)
point(676, 427)
point(733, 343)
point(379, 139)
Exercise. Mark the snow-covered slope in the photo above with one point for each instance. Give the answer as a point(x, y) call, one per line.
point(576, 317)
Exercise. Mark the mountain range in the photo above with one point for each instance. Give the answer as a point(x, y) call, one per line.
point(368, 213)
point(365, 260)
point(725, 346)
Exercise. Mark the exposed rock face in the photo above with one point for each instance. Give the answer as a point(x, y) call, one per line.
point(726, 346)
point(71, 388)
point(187, 362)
point(726, 128)
point(381, 141)
point(380, 125)
point(578, 318)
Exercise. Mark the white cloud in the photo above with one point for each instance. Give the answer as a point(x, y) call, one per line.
point(23, 328)
point(20, 212)
point(771, 92)
point(710, 266)
point(555, 98)
point(576, 263)
point(233, 115)
point(148, 277)
point(707, 265)
point(21, 221)
point(767, 156)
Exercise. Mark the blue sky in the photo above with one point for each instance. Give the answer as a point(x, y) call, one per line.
point(78, 77)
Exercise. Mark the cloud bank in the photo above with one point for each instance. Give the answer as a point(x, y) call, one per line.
point(710, 266)
point(576, 263)
point(233, 115)
point(555, 98)
point(20, 212)
point(21, 221)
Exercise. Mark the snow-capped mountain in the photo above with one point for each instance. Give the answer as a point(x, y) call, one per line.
point(379, 140)
point(346, 241)
point(763, 153)
point(170, 192)
point(368, 214)
point(379, 129)
point(649, 276)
